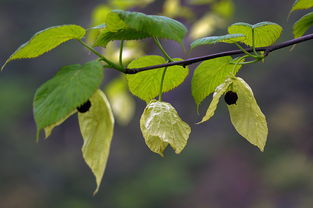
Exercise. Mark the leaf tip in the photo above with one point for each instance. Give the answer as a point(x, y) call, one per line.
point(4, 65)
point(96, 191)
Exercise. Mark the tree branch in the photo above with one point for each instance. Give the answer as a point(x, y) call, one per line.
point(190, 61)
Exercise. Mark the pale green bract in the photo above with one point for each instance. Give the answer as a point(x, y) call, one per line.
point(302, 25)
point(96, 126)
point(47, 40)
point(246, 116)
point(68, 89)
point(146, 84)
point(218, 93)
point(123, 104)
point(124, 25)
point(210, 74)
point(265, 33)
point(161, 126)
point(230, 38)
point(302, 4)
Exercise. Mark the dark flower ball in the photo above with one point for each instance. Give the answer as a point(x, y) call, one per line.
point(231, 97)
point(84, 107)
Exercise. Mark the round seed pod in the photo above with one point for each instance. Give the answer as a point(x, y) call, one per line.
point(231, 97)
point(84, 107)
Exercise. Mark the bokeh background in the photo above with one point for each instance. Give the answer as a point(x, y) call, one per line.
point(218, 168)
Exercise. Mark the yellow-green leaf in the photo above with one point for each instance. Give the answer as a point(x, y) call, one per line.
point(146, 84)
point(161, 126)
point(47, 40)
point(96, 126)
point(246, 116)
point(302, 25)
point(302, 4)
point(210, 74)
point(123, 104)
point(219, 91)
point(265, 33)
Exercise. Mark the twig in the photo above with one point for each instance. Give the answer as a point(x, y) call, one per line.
point(190, 61)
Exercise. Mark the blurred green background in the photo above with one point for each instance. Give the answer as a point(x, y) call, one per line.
point(217, 169)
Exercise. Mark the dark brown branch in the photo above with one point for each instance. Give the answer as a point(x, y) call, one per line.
point(190, 61)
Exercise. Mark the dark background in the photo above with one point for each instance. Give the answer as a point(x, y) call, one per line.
point(218, 168)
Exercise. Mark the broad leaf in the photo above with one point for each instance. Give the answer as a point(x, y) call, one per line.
point(124, 34)
point(161, 126)
point(265, 33)
point(230, 38)
point(142, 26)
point(210, 74)
point(302, 4)
point(146, 84)
point(246, 116)
point(218, 93)
point(68, 89)
point(46, 40)
point(123, 105)
point(302, 25)
point(96, 126)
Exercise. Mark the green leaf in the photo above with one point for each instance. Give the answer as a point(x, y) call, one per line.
point(96, 126)
point(230, 38)
point(69, 88)
point(146, 84)
point(123, 105)
point(47, 40)
point(161, 125)
point(210, 74)
point(124, 34)
point(265, 33)
point(302, 25)
point(246, 116)
point(302, 4)
point(143, 25)
point(219, 91)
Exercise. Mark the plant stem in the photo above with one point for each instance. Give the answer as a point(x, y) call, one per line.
point(194, 60)
point(121, 53)
point(161, 85)
point(253, 43)
point(244, 50)
point(110, 63)
point(237, 62)
point(157, 42)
